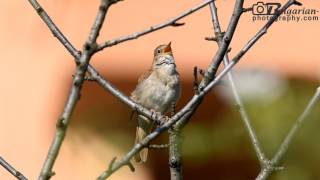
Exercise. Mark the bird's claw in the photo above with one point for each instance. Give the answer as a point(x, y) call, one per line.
point(156, 116)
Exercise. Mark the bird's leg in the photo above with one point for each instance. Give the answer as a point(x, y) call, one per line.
point(155, 115)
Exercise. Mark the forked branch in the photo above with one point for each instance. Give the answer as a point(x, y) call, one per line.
point(79, 77)
point(274, 163)
point(245, 117)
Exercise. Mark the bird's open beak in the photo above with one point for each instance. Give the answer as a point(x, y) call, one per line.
point(168, 48)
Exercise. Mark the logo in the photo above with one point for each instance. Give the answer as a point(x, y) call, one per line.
point(263, 11)
point(262, 8)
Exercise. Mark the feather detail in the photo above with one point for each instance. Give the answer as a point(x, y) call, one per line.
point(143, 129)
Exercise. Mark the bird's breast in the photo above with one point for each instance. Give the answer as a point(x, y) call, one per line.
point(159, 94)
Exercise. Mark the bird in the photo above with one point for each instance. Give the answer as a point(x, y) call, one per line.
point(158, 89)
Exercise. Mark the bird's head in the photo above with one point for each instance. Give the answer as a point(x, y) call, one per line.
point(163, 50)
point(163, 57)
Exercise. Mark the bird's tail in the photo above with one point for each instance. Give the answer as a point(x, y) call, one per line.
point(143, 129)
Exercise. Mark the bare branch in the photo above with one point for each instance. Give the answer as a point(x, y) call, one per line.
point(111, 163)
point(12, 170)
point(267, 170)
point(175, 157)
point(211, 38)
point(247, 9)
point(171, 22)
point(176, 24)
point(54, 29)
point(246, 120)
point(218, 57)
point(211, 71)
point(79, 77)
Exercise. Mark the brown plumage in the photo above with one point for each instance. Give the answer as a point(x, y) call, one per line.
point(157, 90)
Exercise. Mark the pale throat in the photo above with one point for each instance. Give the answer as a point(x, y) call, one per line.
point(167, 74)
point(167, 64)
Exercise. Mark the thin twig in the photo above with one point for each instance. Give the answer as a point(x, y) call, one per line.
point(79, 76)
point(267, 170)
point(211, 38)
point(171, 22)
point(223, 48)
point(247, 9)
point(246, 120)
point(12, 170)
point(158, 146)
point(211, 71)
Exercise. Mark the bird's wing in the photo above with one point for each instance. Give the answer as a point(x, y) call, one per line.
point(138, 90)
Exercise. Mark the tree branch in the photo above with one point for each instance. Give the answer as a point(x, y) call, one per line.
point(54, 29)
point(272, 165)
point(246, 120)
point(175, 156)
point(223, 48)
point(171, 22)
point(12, 170)
point(216, 61)
point(79, 76)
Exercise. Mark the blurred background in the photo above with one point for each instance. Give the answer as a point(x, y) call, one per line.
point(276, 79)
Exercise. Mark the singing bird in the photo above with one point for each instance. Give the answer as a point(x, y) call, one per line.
point(158, 90)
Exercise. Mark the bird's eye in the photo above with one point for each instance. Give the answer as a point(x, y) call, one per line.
point(158, 51)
